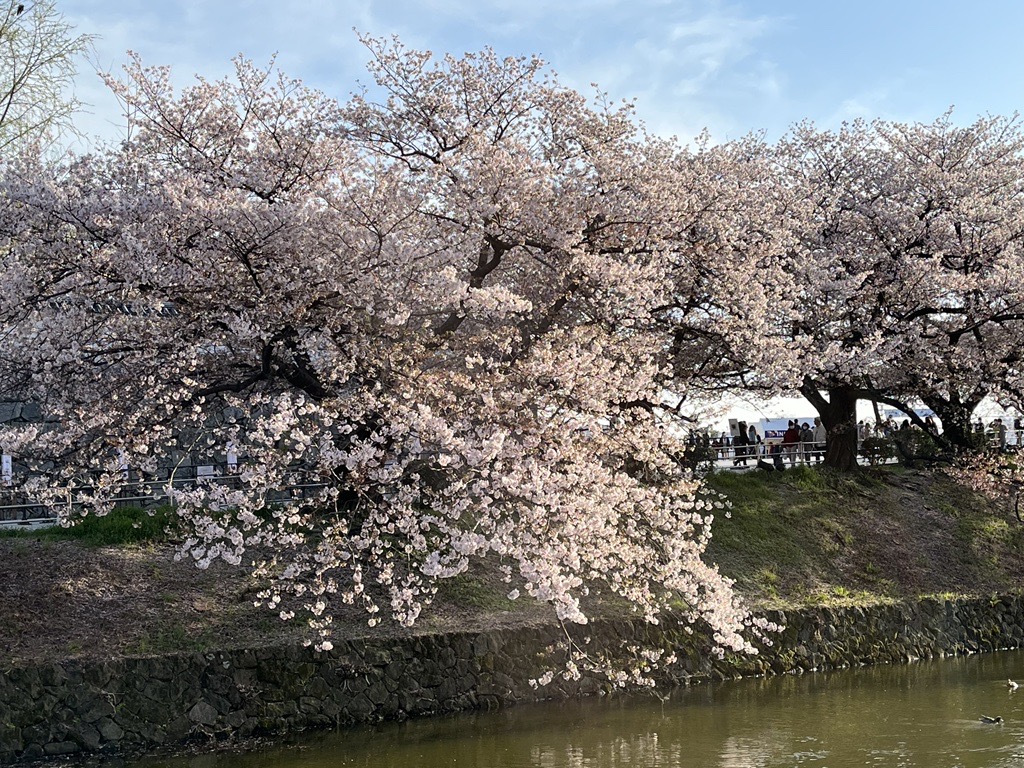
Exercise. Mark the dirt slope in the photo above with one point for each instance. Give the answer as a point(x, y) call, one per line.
point(798, 537)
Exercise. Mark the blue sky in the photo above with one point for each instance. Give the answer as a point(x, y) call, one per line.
point(729, 66)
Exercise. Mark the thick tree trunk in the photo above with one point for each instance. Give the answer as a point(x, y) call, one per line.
point(957, 433)
point(840, 420)
point(839, 415)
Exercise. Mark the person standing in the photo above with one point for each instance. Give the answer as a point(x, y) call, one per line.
point(999, 431)
point(754, 441)
point(806, 442)
point(791, 441)
point(739, 444)
point(821, 439)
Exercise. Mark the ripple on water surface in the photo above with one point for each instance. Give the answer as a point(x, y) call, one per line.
point(926, 714)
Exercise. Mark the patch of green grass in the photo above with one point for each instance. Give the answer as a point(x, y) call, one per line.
point(807, 479)
point(769, 582)
point(985, 532)
point(174, 639)
point(838, 594)
point(126, 525)
point(764, 542)
point(948, 509)
point(469, 591)
point(810, 534)
point(789, 532)
point(835, 535)
point(944, 595)
point(886, 587)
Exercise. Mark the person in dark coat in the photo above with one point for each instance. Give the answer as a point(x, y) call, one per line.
point(739, 444)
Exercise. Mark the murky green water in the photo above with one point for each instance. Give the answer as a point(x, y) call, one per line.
point(919, 715)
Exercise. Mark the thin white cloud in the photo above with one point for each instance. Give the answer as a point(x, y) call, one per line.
point(682, 63)
point(732, 66)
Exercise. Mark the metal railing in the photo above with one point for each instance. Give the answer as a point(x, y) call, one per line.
point(16, 509)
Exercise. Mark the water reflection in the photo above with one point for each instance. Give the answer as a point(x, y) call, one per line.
point(926, 714)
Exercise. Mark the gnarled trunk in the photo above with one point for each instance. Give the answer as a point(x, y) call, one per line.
point(955, 416)
point(839, 415)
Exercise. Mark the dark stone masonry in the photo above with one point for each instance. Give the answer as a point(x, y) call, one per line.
point(135, 704)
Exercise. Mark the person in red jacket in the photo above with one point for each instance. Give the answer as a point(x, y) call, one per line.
point(791, 441)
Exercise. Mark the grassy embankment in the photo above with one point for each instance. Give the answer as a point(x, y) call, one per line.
point(110, 585)
point(808, 536)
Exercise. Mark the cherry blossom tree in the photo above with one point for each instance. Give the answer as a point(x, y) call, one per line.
point(732, 306)
point(908, 277)
point(441, 314)
point(960, 221)
point(835, 339)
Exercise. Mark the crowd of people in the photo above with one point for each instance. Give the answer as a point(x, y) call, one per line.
point(802, 443)
point(996, 434)
point(805, 442)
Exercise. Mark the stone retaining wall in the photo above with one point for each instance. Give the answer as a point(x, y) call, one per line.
point(135, 704)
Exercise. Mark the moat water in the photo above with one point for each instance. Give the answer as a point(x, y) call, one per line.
point(925, 714)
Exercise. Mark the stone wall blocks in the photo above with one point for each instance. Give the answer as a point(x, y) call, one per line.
point(244, 678)
point(459, 703)
point(11, 739)
point(145, 669)
point(101, 674)
point(31, 752)
point(57, 748)
point(432, 678)
point(446, 657)
point(218, 680)
point(203, 713)
point(180, 728)
point(378, 693)
point(86, 736)
point(222, 704)
point(318, 721)
point(98, 708)
point(309, 705)
point(243, 659)
point(150, 700)
point(155, 690)
point(36, 733)
point(31, 679)
point(359, 708)
point(405, 701)
point(482, 645)
point(248, 727)
point(266, 655)
point(331, 708)
point(149, 710)
point(109, 730)
point(358, 649)
point(150, 733)
point(319, 688)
